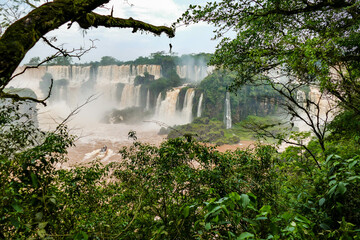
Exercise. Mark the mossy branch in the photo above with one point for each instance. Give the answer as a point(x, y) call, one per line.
point(17, 97)
point(96, 20)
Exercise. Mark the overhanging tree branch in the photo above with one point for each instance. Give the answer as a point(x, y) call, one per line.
point(96, 20)
point(17, 97)
point(22, 35)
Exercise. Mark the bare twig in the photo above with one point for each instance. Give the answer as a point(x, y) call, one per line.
point(60, 51)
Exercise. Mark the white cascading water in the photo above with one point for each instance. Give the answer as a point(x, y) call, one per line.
point(167, 110)
point(227, 112)
point(106, 91)
point(199, 109)
point(137, 95)
point(127, 97)
point(186, 113)
point(158, 103)
point(147, 107)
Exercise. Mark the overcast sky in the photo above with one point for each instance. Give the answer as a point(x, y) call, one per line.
point(125, 45)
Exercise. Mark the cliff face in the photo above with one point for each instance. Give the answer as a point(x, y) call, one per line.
point(113, 74)
point(115, 86)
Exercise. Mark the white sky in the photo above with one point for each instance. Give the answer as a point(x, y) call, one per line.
point(125, 45)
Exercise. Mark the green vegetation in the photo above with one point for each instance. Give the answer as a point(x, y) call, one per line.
point(60, 60)
point(168, 80)
point(249, 100)
point(213, 131)
point(179, 190)
point(34, 61)
point(184, 189)
point(206, 130)
point(157, 58)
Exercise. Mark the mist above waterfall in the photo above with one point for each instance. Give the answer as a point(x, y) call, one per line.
point(128, 93)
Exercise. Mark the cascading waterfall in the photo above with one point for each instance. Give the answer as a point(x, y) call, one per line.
point(110, 81)
point(158, 103)
point(186, 112)
point(198, 114)
point(167, 109)
point(147, 107)
point(227, 112)
point(127, 96)
point(137, 96)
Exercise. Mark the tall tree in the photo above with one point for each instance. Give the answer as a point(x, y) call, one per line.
point(313, 42)
point(21, 36)
point(290, 45)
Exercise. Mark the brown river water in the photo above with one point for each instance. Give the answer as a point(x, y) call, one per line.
point(102, 141)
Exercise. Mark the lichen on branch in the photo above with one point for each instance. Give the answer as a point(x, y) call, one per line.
point(96, 20)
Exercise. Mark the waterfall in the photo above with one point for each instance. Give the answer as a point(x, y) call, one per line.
point(186, 112)
point(137, 96)
point(127, 96)
point(227, 112)
point(301, 98)
point(198, 114)
point(158, 103)
point(166, 110)
point(147, 107)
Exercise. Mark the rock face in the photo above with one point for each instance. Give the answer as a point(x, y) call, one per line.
point(115, 87)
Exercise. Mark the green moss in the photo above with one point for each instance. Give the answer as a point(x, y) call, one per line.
point(206, 130)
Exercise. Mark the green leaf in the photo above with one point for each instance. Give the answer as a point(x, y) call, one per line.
point(215, 209)
point(208, 226)
point(321, 201)
point(41, 233)
point(328, 158)
point(325, 226)
point(331, 191)
point(245, 200)
point(52, 200)
point(39, 216)
point(186, 211)
point(81, 236)
point(245, 235)
point(234, 196)
point(341, 188)
point(34, 180)
point(266, 209)
point(15, 222)
point(42, 225)
point(353, 178)
point(17, 207)
point(352, 164)
point(302, 219)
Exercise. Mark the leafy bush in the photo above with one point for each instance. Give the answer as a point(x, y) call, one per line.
point(180, 190)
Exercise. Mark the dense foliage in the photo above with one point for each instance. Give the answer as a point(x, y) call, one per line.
point(206, 130)
point(179, 190)
point(249, 100)
point(184, 189)
point(308, 42)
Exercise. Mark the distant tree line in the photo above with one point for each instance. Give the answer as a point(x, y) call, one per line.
point(158, 58)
